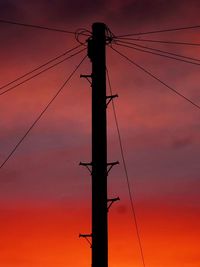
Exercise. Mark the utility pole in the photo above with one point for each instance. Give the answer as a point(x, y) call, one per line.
point(99, 166)
point(97, 54)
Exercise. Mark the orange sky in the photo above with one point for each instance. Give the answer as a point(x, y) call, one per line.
point(48, 236)
point(44, 195)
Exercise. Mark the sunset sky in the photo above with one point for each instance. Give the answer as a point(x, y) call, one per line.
point(45, 196)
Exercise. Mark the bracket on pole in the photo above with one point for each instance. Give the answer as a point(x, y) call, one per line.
point(110, 99)
point(87, 77)
point(111, 201)
point(86, 236)
point(90, 51)
point(111, 164)
point(86, 164)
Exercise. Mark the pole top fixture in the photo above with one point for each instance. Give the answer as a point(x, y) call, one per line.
point(99, 24)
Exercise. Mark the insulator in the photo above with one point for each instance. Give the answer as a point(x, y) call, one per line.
point(90, 49)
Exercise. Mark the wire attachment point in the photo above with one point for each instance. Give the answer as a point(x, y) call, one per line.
point(86, 236)
point(111, 164)
point(111, 201)
point(86, 164)
point(110, 98)
point(87, 77)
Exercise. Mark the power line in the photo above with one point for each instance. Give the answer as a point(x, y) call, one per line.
point(37, 74)
point(126, 173)
point(41, 114)
point(158, 50)
point(161, 31)
point(39, 27)
point(37, 68)
point(158, 54)
point(160, 41)
point(156, 78)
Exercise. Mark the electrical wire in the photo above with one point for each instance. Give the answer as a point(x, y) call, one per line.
point(41, 114)
point(79, 32)
point(159, 41)
point(126, 173)
point(158, 54)
point(37, 74)
point(156, 78)
point(38, 68)
point(161, 31)
point(158, 50)
point(38, 27)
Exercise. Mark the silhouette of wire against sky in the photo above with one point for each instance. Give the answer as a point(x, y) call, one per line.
point(131, 197)
point(156, 78)
point(178, 56)
point(39, 27)
point(157, 54)
point(39, 67)
point(41, 114)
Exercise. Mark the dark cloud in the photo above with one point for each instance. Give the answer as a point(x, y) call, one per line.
point(182, 142)
point(122, 209)
point(10, 9)
point(134, 14)
point(73, 10)
point(9, 176)
point(135, 11)
point(147, 13)
point(150, 10)
point(52, 11)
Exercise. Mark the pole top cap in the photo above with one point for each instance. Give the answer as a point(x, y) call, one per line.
point(99, 25)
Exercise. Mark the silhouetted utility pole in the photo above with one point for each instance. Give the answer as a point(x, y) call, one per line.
point(99, 165)
point(97, 54)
